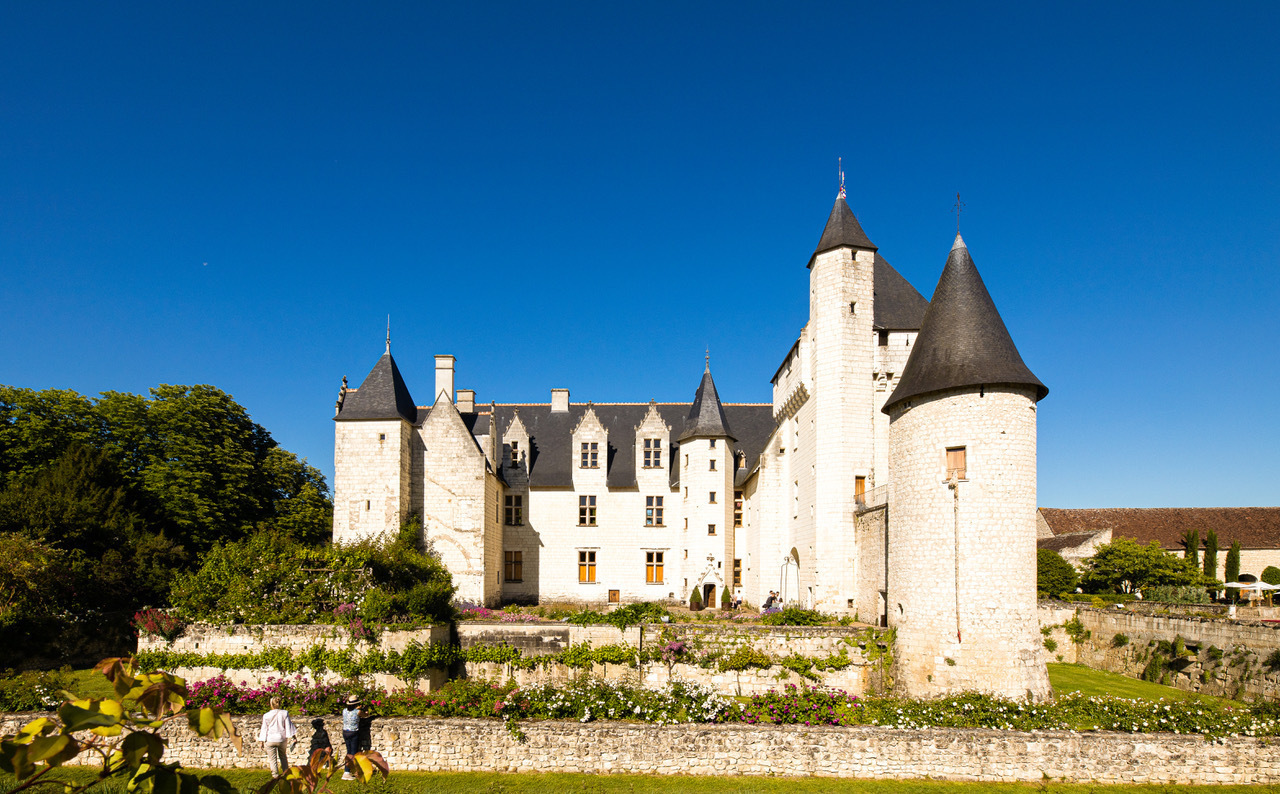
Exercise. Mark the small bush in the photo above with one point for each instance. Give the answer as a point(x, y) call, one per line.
point(1273, 661)
point(158, 623)
point(33, 690)
point(1120, 640)
point(795, 616)
point(1050, 644)
point(1185, 594)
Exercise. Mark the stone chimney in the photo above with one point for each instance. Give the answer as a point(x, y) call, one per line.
point(444, 377)
point(559, 400)
point(466, 401)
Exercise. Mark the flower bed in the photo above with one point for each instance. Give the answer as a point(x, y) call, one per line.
point(588, 699)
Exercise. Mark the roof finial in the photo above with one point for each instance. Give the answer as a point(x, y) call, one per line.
point(388, 333)
point(840, 168)
point(959, 207)
point(708, 358)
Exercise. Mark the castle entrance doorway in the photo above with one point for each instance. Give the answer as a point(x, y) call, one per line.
point(709, 594)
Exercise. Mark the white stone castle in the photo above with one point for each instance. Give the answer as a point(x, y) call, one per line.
point(892, 478)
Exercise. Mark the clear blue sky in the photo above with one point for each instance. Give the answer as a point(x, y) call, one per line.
point(588, 195)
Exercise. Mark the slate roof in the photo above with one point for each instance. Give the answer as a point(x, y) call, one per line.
point(706, 416)
point(842, 229)
point(551, 457)
point(382, 395)
point(1254, 527)
point(898, 306)
point(962, 341)
point(1061, 543)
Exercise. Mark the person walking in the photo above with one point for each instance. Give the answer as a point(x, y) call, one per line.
point(350, 732)
point(277, 729)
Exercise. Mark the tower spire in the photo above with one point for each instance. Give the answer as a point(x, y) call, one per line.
point(840, 168)
point(388, 333)
point(959, 207)
point(708, 369)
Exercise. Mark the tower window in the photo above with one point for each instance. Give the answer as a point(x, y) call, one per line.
point(514, 516)
point(515, 453)
point(713, 443)
point(712, 497)
point(653, 453)
point(653, 567)
point(956, 463)
point(853, 308)
point(737, 573)
point(653, 511)
point(586, 511)
point(713, 464)
point(586, 567)
point(513, 566)
point(737, 508)
point(884, 338)
point(711, 529)
point(382, 436)
point(368, 505)
point(590, 457)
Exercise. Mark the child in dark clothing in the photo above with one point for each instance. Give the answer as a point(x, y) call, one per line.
point(319, 739)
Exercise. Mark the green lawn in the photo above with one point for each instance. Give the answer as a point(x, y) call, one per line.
point(91, 684)
point(1077, 677)
point(477, 783)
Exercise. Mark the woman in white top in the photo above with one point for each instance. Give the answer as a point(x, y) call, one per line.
point(277, 729)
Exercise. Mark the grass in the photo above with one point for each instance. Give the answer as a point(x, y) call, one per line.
point(90, 684)
point(508, 783)
point(1077, 677)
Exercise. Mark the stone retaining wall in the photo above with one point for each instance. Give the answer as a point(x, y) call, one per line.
point(1240, 673)
point(208, 638)
point(459, 745)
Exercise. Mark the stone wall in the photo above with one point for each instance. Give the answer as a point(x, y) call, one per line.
point(207, 638)
point(1240, 671)
point(457, 745)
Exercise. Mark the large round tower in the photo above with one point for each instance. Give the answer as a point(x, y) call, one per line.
point(962, 504)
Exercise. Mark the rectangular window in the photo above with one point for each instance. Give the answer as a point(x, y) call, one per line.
point(653, 453)
point(860, 491)
point(586, 511)
point(653, 567)
point(955, 463)
point(586, 567)
point(884, 339)
point(713, 443)
point(711, 529)
point(737, 573)
point(590, 455)
point(712, 497)
point(653, 511)
point(515, 453)
point(514, 510)
point(513, 566)
point(737, 508)
point(713, 464)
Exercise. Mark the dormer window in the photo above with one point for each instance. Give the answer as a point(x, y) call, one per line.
point(515, 453)
point(713, 443)
point(653, 453)
point(590, 457)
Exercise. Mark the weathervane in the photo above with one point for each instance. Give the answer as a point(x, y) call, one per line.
point(708, 358)
point(840, 168)
point(959, 207)
point(388, 333)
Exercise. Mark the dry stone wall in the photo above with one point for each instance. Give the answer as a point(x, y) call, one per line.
point(1223, 657)
point(458, 745)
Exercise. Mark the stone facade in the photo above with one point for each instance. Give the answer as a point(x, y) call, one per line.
point(961, 561)
point(462, 745)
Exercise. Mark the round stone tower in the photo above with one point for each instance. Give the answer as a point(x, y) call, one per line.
point(962, 504)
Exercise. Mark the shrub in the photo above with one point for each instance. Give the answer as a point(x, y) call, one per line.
point(695, 600)
point(795, 616)
point(1120, 640)
point(1054, 575)
point(33, 690)
point(1050, 644)
point(726, 600)
point(1177, 594)
point(158, 623)
point(1271, 575)
point(1273, 661)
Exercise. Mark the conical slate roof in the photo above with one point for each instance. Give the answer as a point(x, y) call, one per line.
point(706, 417)
point(842, 229)
point(962, 341)
point(383, 395)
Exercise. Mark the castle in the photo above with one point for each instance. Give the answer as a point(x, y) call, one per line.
point(892, 478)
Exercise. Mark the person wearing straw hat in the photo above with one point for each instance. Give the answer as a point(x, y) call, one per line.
point(350, 731)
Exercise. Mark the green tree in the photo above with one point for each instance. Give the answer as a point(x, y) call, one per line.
point(1191, 542)
point(1231, 568)
point(1054, 575)
point(36, 427)
point(1271, 575)
point(1211, 554)
point(1123, 566)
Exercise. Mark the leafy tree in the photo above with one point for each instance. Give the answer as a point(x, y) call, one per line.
point(1271, 575)
point(28, 571)
point(1211, 554)
point(1191, 542)
point(1123, 566)
point(36, 427)
point(1054, 575)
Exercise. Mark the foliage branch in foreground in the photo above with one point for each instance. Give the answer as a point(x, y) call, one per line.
point(122, 733)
